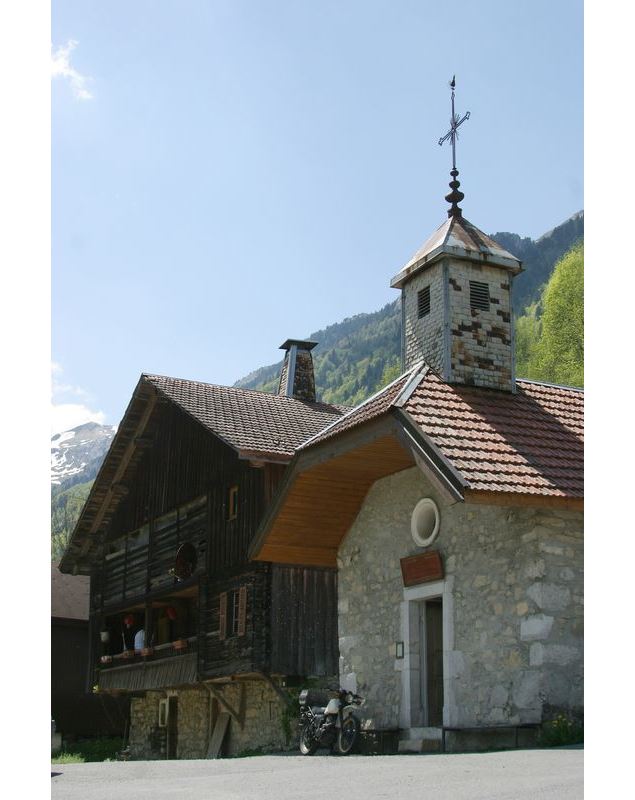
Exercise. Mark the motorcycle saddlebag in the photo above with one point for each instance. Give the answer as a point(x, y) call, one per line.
point(313, 697)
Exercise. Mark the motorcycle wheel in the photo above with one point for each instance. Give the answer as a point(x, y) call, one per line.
point(346, 736)
point(308, 742)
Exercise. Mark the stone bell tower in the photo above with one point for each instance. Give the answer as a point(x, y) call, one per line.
point(456, 299)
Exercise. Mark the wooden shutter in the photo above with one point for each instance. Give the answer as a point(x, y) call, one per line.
point(222, 616)
point(242, 610)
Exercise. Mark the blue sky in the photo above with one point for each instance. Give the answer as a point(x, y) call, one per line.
point(226, 175)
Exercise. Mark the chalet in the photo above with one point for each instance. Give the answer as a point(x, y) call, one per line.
point(451, 505)
point(181, 622)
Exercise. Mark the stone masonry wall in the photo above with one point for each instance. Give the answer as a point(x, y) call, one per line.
point(481, 341)
point(516, 590)
point(423, 337)
point(263, 727)
point(147, 741)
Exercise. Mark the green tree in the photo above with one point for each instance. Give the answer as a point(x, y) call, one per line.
point(558, 356)
point(527, 338)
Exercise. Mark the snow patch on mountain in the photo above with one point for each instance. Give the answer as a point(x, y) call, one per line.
point(77, 454)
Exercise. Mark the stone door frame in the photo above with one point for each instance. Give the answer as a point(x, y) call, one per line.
point(411, 683)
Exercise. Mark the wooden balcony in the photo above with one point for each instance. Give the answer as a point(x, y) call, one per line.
point(166, 665)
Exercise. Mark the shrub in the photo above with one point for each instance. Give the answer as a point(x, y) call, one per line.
point(560, 731)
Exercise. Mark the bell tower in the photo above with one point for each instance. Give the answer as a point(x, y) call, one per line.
point(456, 298)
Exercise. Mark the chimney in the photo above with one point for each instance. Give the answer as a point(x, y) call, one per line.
point(297, 378)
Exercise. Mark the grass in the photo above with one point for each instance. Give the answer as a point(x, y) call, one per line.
point(84, 750)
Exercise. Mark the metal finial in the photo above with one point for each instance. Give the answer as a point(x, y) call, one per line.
point(455, 196)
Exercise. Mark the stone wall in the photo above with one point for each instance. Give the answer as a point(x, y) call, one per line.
point(481, 341)
point(147, 741)
point(512, 598)
point(263, 726)
point(423, 338)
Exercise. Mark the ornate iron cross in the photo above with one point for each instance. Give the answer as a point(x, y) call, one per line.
point(454, 124)
point(455, 196)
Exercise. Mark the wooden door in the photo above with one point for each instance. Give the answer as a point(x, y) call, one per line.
point(173, 726)
point(434, 661)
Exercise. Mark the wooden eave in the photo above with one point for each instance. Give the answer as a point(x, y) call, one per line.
point(132, 437)
point(323, 492)
point(135, 433)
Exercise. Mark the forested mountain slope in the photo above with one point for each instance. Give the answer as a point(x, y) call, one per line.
point(357, 356)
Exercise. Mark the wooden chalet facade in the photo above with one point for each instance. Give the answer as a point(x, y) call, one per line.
point(164, 537)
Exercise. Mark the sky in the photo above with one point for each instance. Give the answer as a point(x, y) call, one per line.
point(230, 174)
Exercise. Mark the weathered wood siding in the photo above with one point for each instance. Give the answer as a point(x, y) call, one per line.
point(234, 653)
point(304, 621)
point(183, 464)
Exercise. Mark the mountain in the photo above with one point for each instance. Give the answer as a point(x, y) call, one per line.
point(356, 357)
point(540, 256)
point(76, 454)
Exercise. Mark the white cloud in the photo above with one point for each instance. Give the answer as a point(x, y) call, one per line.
point(61, 68)
point(65, 416)
point(65, 413)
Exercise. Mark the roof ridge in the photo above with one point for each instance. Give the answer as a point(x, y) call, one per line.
point(552, 385)
point(244, 390)
point(360, 405)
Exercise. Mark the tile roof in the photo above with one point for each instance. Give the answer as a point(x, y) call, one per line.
point(530, 442)
point(371, 408)
point(252, 422)
point(458, 237)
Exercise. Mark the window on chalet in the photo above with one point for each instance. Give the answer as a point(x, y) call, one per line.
point(232, 503)
point(232, 613)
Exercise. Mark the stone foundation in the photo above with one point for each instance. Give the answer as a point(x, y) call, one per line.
point(264, 726)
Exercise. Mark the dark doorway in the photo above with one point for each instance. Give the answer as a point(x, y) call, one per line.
point(434, 661)
point(173, 726)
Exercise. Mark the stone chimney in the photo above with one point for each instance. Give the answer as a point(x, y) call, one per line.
point(297, 378)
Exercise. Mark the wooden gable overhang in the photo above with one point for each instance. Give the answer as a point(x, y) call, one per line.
point(326, 484)
point(137, 432)
point(132, 437)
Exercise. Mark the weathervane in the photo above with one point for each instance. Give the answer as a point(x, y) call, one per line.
point(455, 196)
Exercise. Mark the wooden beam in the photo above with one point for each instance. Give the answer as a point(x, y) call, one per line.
point(121, 469)
point(518, 499)
point(239, 715)
point(290, 554)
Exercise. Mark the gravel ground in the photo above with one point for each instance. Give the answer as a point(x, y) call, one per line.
point(554, 774)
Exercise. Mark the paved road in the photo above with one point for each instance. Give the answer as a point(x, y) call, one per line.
point(513, 775)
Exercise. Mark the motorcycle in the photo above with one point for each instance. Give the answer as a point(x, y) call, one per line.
point(328, 724)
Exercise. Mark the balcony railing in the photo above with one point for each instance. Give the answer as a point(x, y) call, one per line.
point(180, 647)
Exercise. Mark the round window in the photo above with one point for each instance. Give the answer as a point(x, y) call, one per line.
point(425, 522)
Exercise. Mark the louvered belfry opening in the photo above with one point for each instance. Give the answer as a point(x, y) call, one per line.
point(423, 302)
point(297, 378)
point(479, 295)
